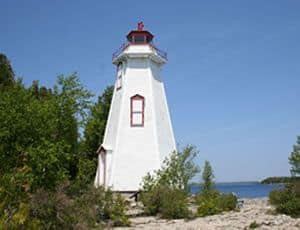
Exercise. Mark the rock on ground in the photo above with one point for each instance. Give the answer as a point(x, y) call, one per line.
point(258, 210)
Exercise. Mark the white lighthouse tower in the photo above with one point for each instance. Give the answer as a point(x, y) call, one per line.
point(139, 132)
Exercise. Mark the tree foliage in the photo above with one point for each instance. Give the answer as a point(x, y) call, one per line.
point(96, 123)
point(6, 72)
point(281, 179)
point(94, 209)
point(165, 191)
point(94, 129)
point(287, 200)
point(294, 158)
point(207, 177)
point(210, 201)
point(45, 175)
point(38, 139)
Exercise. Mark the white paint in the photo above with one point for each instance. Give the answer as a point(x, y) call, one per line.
point(132, 152)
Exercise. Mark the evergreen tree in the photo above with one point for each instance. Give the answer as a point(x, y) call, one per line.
point(207, 177)
point(294, 158)
point(6, 72)
point(40, 92)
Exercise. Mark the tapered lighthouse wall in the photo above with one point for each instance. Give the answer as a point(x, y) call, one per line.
point(113, 120)
point(136, 148)
point(133, 151)
point(165, 136)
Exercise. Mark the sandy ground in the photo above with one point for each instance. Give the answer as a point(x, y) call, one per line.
point(257, 210)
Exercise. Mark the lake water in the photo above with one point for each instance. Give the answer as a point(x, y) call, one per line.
point(243, 189)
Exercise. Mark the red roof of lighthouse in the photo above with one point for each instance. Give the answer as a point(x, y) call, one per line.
point(139, 36)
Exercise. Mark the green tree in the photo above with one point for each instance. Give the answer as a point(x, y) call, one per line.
point(39, 150)
point(40, 92)
point(207, 177)
point(210, 201)
point(294, 158)
point(165, 191)
point(287, 200)
point(6, 71)
point(179, 168)
point(29, 156)
point(93, 136)
point(73, 102)
point(38, 140)
point(96, 123)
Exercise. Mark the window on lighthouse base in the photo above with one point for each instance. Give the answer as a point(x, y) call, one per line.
point(137, 104)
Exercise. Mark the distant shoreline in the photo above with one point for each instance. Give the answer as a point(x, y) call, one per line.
point(280, 180)
point(234, 182)
point(238, 182)
point(245, 189)
point(268, 180)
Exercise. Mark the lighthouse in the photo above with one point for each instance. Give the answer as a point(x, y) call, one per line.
point(139, 134)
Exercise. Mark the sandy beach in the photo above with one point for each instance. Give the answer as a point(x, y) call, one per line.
point(258, 210)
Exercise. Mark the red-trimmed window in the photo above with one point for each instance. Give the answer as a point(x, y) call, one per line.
point(137, 106)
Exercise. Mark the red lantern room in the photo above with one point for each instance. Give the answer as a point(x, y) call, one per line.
point(139, 36)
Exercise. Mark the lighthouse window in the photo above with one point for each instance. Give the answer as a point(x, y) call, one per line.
point(119, 81)
point(119, 76)
point(137, 110)
point(139, 39)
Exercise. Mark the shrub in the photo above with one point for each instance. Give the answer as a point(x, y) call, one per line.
point(165, 192)
point(254, 225)
point(58, 210)
point(276, 196)
point(83, 177)
point(52, 210)
point(227, 202)
point(207, 204)
point(290, 207)
point(210, 201)
point(102, 206)
point(287, 200)
point(152, 200)
point(175, 204)
point(215, 202)
point(114, 209)
point(170, 203)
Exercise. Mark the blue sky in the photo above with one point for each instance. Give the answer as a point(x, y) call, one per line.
point(232, 79)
